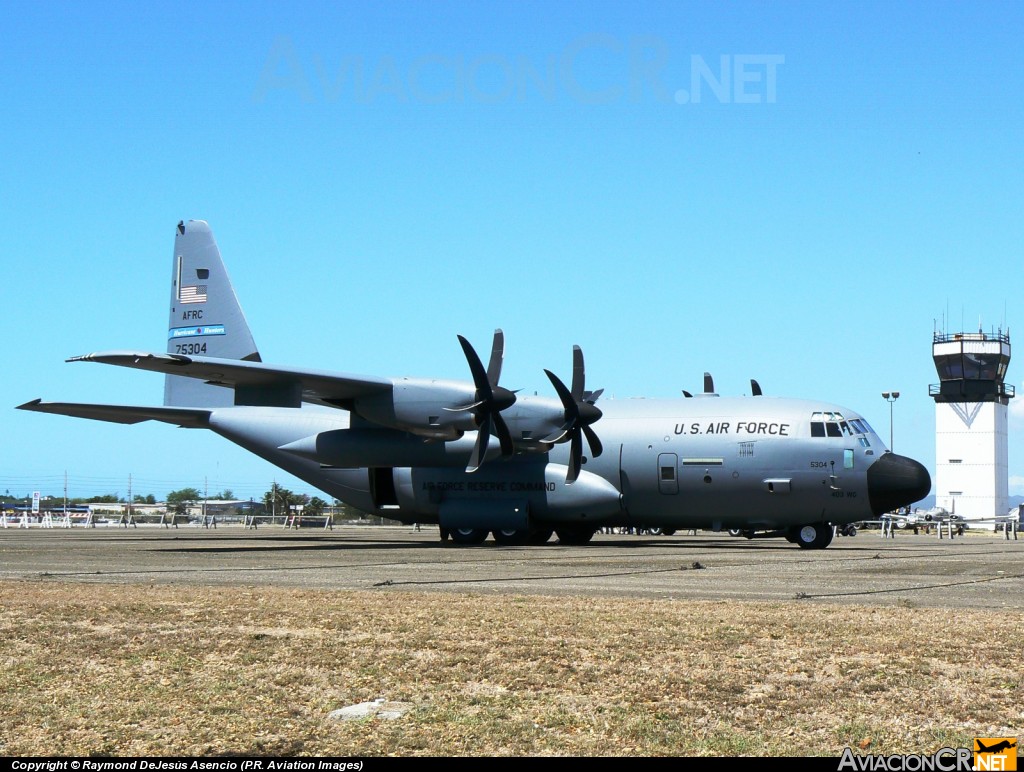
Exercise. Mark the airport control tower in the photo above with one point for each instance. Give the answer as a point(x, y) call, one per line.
point(970, 423)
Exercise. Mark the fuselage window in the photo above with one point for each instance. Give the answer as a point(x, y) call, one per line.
point(668, 473)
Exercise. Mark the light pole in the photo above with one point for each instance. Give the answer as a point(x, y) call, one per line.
point(890, 397)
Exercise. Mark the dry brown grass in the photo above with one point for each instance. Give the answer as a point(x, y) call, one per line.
point(158, 670)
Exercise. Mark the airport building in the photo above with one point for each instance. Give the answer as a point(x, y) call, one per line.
point(971, 399)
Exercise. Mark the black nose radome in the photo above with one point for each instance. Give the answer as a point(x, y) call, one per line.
point(896, 481)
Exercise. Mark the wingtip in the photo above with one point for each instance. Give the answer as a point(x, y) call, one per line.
point(29, 405)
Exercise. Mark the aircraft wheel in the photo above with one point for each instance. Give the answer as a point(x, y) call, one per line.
point(655, 531)
point(735, 532)
point(445, 534)
point(510, 536)
point(575, 535)
point(468, 535)
point(815, 536)
point(668, 532)
point(540, 536)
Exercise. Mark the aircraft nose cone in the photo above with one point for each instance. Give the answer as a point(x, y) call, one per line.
point(896, 481)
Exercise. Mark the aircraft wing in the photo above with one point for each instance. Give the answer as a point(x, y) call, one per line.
point(191, 418)
point(316, 386)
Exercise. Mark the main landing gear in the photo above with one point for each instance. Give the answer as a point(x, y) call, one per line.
point(815, 536)
point(515, 537)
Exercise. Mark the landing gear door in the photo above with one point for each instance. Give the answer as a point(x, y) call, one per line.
point(668, 473)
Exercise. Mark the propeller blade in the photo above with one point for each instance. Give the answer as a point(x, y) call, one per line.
point(476, 367)
point(563, 393)
point(558, 434)
point(578, 374)
point(575, 458)
point(596, 448)
point(504, 435)
point(483, 438)
point(497, 356)
point(463, 408)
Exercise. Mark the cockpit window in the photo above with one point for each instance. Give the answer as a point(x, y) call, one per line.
point(829, 423)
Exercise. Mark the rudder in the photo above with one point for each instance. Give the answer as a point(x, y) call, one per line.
point(206, 318)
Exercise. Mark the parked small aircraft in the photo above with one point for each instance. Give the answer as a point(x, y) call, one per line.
point(478, 459)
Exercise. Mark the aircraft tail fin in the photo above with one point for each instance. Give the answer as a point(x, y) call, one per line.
point(206, 318)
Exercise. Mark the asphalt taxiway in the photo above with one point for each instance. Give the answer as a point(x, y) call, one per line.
point(974, 571)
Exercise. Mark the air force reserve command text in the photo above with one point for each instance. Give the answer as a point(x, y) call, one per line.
point(174, 765)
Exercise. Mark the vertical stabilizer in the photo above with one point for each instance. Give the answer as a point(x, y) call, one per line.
point(206, 318)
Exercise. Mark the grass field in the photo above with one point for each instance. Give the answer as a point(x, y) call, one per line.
point(98, 669)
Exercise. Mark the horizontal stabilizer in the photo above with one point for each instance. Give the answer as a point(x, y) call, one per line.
point(192, 418)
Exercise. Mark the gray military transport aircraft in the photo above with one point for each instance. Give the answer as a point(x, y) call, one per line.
point(477, 459)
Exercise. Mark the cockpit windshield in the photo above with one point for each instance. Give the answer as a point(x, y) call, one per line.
point(830, 423)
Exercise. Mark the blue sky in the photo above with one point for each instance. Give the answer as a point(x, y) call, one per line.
point(801, 193)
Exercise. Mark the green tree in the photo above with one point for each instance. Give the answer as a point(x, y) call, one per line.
point(109, 498)
point(277, 499)
point(179, 500)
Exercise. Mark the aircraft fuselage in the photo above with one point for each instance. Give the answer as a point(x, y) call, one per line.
point(705, 462)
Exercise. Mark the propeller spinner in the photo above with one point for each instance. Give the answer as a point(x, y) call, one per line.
point(580, 413)
point(488, 402)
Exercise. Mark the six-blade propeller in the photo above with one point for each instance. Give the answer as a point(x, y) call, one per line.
point(580, 413)
point(488, 402)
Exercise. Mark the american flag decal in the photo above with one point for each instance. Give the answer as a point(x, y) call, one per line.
point(192, 294)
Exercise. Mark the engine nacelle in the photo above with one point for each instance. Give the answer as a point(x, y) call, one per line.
point(385, 447)
point(419, 406)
